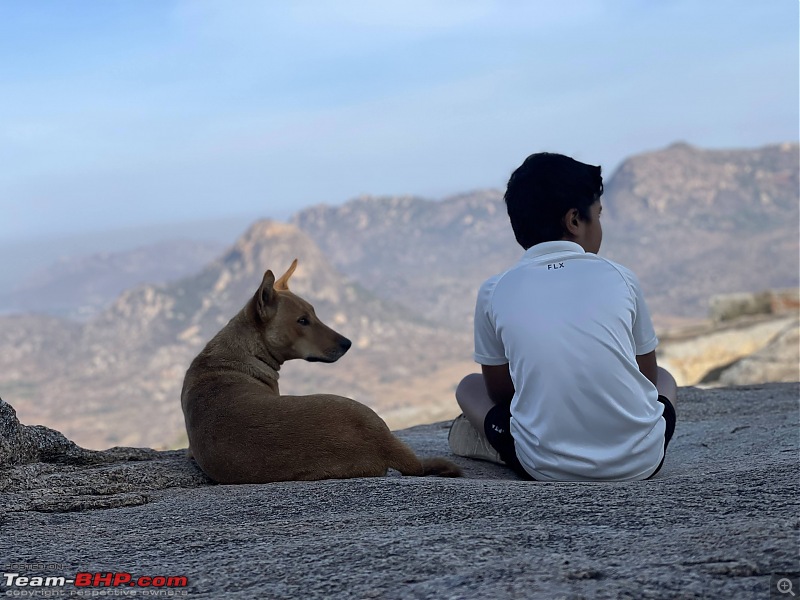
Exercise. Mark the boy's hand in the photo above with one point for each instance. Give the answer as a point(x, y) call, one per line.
point(648, 366)
point(498, 382)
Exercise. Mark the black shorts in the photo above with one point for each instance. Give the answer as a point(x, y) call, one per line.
point(497, 428)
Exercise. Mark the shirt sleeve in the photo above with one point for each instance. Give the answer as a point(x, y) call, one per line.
point(644, 335)
point(488, 346)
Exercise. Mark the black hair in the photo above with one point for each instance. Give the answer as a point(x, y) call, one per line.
point(543, 189)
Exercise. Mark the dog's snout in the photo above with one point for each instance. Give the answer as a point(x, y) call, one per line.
point(345, 344)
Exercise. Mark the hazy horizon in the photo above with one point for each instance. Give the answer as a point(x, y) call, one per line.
point(218, 228)
point(123, 115)
point(27, 257)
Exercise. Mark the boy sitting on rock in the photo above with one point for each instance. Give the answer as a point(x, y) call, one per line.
point(570, 389)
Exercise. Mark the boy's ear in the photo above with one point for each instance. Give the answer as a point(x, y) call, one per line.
point(571, 221)
point(265, 297)
point(283, 283)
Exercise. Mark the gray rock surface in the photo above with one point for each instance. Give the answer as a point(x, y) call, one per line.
point(720, 518)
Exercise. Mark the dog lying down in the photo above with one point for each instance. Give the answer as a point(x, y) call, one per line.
point(241, 430)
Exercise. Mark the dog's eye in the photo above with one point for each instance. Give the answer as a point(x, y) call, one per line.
point(303, 321)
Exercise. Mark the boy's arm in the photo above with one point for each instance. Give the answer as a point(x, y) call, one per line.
point(648, 366)
point(498, 382)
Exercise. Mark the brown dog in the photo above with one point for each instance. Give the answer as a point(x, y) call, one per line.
point(241, 430)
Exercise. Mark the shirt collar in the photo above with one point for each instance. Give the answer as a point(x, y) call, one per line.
point(556, 247)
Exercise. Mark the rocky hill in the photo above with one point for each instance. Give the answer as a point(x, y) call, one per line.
point(719, 520)
point(398, 276)
point(430, 256)
point(691, 223)
point(694, 223)
point(716, 190)
point(747, 350)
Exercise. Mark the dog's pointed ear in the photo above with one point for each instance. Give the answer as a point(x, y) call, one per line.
point(265, 296)
point(283, 283)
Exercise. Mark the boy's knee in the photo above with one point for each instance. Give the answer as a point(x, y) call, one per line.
point(666, 377)
point(666, 384)
point(469, 385)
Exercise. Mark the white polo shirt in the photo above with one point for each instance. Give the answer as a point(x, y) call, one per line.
point(570, 325)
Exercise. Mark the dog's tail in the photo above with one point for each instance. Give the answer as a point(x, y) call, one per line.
point(441, 467)
point(404, 459)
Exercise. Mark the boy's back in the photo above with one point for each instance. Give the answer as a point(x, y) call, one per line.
point(570, 324)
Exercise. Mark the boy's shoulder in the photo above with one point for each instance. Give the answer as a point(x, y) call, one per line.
point(587, 256)
point(627, 274)
point(487, 288)
point(619, 267)
point(613, 268)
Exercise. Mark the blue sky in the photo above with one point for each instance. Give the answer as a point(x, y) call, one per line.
point(128, 113)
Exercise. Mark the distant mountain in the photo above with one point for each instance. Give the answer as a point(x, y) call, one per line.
point(745, 191)
point(80, 287)
point(691, 223)
point(430, 256)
